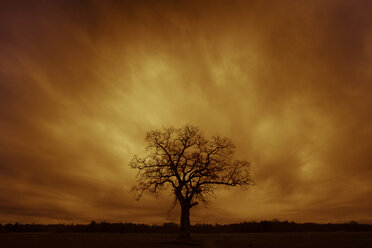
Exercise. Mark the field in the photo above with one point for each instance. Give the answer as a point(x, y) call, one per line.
point(263, 240)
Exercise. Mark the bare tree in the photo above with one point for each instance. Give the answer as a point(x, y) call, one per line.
point(191, 165)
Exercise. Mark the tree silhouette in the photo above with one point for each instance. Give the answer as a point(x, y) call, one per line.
point(191, 165)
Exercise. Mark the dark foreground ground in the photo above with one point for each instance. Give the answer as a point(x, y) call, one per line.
point(277, 240)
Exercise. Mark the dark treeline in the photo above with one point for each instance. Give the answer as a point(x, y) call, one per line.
point(245, 227)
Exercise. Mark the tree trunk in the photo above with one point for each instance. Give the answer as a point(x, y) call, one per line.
point(185, 222)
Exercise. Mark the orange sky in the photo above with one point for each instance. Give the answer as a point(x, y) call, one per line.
point(288, 81)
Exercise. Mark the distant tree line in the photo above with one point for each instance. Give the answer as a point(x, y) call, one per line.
point(171, 227)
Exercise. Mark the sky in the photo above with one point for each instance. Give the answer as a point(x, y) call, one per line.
point(81, 82)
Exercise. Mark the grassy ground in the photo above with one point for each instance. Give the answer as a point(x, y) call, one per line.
point(263, 240)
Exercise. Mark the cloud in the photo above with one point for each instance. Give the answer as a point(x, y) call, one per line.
point(80, 84)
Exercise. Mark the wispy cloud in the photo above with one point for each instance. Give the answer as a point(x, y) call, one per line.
point(288, 81)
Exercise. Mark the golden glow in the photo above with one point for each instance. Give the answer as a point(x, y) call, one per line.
point(81, 84)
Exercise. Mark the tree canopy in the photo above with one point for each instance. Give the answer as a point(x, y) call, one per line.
point(192, 165)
